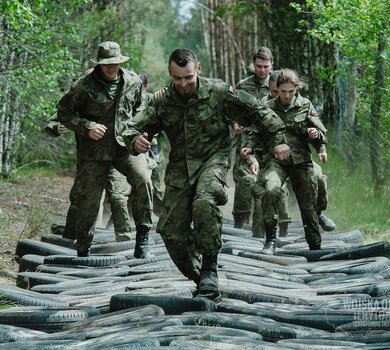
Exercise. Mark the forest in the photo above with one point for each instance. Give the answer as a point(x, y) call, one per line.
point(339, 47)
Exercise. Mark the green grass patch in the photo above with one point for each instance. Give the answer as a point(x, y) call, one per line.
point(353, 203)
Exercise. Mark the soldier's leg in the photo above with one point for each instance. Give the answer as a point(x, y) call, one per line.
point(284, 218)
point(138, 173)
point(257, 192)
point(70, 223)
point(90, 181)
point(326, 223)
point(118, 191)
point(243, 200)
point(174, 225)
point(207, 220)
point(304, 185)
point(272, 181)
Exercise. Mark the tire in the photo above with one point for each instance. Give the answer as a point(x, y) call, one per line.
point(21, 297)
point(31, 246)
point(366, 251)
point(27, 279)
point(29, 262)
point(93, 261)
point(42, 318)
point(170, 304)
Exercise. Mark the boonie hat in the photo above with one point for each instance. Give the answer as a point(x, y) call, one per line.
point(109, 52)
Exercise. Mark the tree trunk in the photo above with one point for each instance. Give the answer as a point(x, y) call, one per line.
point(376, 140)
point(346, 108)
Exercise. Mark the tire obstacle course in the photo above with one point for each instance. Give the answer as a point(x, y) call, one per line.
point(335, 298)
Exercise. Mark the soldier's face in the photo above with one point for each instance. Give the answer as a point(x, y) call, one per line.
point(286, 92)
point(109, 71)
point(184, 79)
point(262, 68)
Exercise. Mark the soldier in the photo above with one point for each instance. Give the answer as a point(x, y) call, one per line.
point(195, 112)
point(256, 85)
point(98, 107)
point(117, 190)
point(255, 153)
point(303, 127)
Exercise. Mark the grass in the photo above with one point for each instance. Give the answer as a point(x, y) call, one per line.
point(353, 203)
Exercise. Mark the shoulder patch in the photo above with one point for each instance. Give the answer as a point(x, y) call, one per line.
point(313, 113)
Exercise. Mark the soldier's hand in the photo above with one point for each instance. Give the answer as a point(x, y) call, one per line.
point(245, 152)
point(282, 152)
point(62, 129)
point(323, 157)
point(141, 144)
point(97, 131)
point(313, 133)
point(237, 129)
point(254, 168)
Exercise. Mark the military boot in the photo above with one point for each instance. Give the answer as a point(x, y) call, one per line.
point(270, 241)
point(239, 220)
point(208, 279)
point(326, 223)
point(141, 249)
point(315, 246)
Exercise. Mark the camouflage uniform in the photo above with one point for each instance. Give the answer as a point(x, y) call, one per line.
point(243, 201)
point(91, 101)
point(199, 135)
point(298, 117)
point(117, 189)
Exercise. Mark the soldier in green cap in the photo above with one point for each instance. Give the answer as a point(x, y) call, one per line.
point(196, 112)
point(98, 107)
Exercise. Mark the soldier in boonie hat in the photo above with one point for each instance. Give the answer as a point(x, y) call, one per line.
point(109, 52)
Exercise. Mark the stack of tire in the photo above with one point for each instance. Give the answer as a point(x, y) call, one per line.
point(335, 298)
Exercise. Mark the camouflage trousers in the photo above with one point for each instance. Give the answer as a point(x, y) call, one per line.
point(322, 201)
point(304, 185)
point(118, 190)
point(195, 204)
point(247, 195)
point(91, 179)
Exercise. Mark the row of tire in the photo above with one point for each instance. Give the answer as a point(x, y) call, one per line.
point(335, 298)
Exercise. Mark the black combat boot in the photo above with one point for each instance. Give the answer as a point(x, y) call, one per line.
point(315, 246)
point(208, 279)
point(270, 241)
point(83, 253)
point(326, 223)
point(239, 220)
point(141, 249)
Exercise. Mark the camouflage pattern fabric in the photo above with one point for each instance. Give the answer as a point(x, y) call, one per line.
point(118, 192)
point(322, 201)
point(242, 177)
point(298, 117)
point(89, 102)
point(199, 135)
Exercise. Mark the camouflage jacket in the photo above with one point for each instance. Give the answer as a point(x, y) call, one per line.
point(253, 86)
point(298, 116)
point(250, 136)
point(88, 103)
point(198, 129)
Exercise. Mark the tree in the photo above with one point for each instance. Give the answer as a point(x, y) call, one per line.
point(359, 28)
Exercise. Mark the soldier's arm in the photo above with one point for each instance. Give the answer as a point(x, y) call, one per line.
point(144, 122)
point(315, 122)
point(68, 112)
